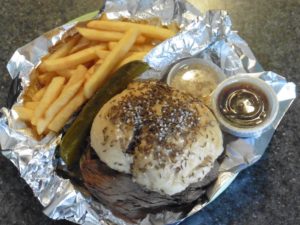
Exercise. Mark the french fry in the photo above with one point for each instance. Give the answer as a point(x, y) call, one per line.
point(34, 121)
point(99, 62)
point(68, 73)
point(31, 131)
point(173, 27)
point(33, 87)
point(102, 53)
point(82, 43)
point(89, 72)
point(109, 63)
point(147, 30)
point(66, 95)
point(76, 68)
point(64, 48)
point(41, 125)
point(77, 75)
point(103, 17)
point(67, 111)
point(142, 48)
point(31, 105)
point(135, 48)
point(38, 95)
point(51, 93)
point(65, 73)
point(93, 68)
point(24, 113)
point(93, 43)
point(132, 57)
point(34, 74)
point(72, 60)
point(98, 35)
point(111, 45)
point(46, 78)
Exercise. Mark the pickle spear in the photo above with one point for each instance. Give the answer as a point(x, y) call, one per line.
point(74, 140)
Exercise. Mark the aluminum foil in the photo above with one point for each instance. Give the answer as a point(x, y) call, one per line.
point(206, 36)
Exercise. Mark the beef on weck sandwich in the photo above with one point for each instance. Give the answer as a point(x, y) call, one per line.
point(156, 148)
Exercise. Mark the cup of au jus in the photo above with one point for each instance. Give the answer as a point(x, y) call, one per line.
point(196, 76)
point(245, 106)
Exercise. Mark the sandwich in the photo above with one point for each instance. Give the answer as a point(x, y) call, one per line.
point(152, 147)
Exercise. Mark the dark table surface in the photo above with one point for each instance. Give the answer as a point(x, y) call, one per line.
point(267, 193)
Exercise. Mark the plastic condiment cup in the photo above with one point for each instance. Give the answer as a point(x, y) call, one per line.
point(192, 64)
point(255, 130)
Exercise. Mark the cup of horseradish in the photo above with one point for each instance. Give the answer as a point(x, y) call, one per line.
point(196, 76)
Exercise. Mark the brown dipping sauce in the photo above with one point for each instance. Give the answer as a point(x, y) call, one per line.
point(243, 105)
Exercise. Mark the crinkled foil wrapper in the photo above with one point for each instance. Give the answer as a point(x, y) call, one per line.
point(206, 36)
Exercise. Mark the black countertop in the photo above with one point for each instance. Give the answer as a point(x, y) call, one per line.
point(267, 193)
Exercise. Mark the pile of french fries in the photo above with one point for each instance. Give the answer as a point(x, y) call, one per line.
point(79, 65)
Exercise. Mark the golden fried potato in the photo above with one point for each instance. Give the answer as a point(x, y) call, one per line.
point(147, 30)
point(112, 60)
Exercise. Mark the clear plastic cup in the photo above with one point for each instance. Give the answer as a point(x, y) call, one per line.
point(255, 129)
point(196, 76)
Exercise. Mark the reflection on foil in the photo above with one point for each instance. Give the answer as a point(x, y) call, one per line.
point(206, 36)
point(156, 11)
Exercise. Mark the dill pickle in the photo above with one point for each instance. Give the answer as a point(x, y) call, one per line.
point(75, 139)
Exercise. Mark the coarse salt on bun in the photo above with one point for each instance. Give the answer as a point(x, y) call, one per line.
point(164, 138)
